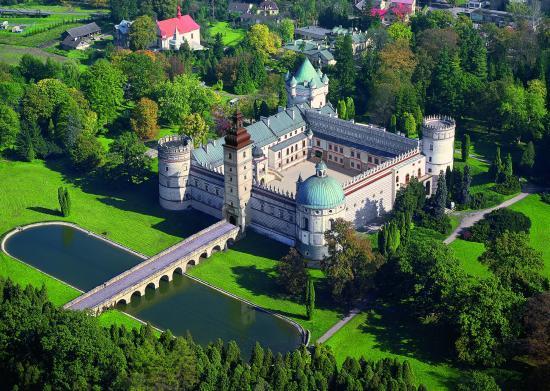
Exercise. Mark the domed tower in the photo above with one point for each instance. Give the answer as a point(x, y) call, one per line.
point(438, 138)
point(174, 165)
point(307, 86)
point(260, 165)
point(319, 201)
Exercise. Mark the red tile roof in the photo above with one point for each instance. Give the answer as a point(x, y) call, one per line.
point(184, 24)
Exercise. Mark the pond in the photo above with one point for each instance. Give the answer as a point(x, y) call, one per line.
point(181, 305)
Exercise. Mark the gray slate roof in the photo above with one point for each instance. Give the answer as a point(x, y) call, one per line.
point(87, 29)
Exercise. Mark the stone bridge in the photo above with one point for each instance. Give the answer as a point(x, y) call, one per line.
point(162, 266)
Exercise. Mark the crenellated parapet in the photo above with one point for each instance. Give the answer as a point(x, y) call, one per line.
point(381, 167)
point(174, 147)
point(438, 127)
point(275, 191)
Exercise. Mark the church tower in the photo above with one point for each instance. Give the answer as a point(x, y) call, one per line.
point(307, 86)
point(237, 166)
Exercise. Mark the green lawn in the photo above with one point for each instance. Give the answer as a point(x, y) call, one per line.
point(385, 333)
point(468, 253)
point(248, 271)
point(132, 217)
point(231, 36)
point(68, 9)
point(11, 54)
point(539, 213)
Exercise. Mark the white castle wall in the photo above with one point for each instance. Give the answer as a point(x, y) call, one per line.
point(273, 211)
point(438, 136)
point(206, 189)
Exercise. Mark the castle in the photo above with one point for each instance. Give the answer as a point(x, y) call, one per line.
point(290, 175)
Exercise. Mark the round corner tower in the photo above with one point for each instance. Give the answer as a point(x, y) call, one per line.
point(174, 165)
point(438, 139)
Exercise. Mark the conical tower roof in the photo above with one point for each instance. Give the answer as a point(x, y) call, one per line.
point(307, 72)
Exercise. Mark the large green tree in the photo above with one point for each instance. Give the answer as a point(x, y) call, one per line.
point(143, 33)
point(103, 85)
point(126, 160)
point(9, 126)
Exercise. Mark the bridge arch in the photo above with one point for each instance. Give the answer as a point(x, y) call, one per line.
point(215, 249)
point(121, 302)
point(229, 243)
point(177, 270)
point(205, 255)
point(150, 285)
point(164, 278)
point(192, 262)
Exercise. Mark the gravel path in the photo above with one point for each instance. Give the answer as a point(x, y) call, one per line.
point(339, 325)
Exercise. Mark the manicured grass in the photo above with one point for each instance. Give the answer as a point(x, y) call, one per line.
point(231, 36)
point(468, 253)
point(132, 217)
point(248, 271)
point(11, 54)
point(384, 332)
point(539, 213)
point(115, 317)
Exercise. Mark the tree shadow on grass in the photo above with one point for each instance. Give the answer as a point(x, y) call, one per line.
point(141, 199)
point(48, 211)
point(397, 331)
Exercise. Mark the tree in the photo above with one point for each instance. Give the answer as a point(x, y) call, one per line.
point(27, 141)
point(292, 273)
point(508, 168)
point(244, 83)
point(496, 165)
point(9, 126)
point(399, 30)
point(465, 147)
point(342, 109)
point(144, 70)
point(143, 33)
point(535, 342)
point(64, 201)
point(195, 127)
point(103, 86)
point(440, 196)
point(515, 263)
point(144, 119)
point(345, 66)
point(286, 27)
point(350, 264)
point(350, 108)
point(497, 222)
point(478, 381)
point(486, 322)
point(409, 125)
point(310, 299)
point(86, 153)
point(393, 123)
point(528, 158)
point(465, 187)
point(263, 41)
point(126, 160)
point(535, 102)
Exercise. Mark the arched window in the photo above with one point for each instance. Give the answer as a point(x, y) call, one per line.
point(305, 224)
point(397, 179)
point(407, 178)
point(419, 172)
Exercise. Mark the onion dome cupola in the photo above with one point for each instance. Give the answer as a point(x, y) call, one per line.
point(320, 191)
point(257, 152)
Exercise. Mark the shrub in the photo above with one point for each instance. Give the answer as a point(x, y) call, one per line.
point(483, 200)
point(496, 223)
point(509, 185)
point(545, 197)
point(440, 223)
point(64, 201)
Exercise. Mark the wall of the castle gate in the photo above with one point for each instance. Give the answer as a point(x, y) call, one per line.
point(206, 189)
point(273, 214)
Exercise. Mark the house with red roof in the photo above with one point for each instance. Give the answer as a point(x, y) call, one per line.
point(389, 10)
point(172, 33)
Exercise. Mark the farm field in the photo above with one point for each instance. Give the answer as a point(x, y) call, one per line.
point(11, 54)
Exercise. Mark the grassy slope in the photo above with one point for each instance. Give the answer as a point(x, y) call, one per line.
point(231, 36)
point(468, 253)
point(385, 334)
point(11, 54)
point(248, 270)
point(28, 194)
point(539, 213)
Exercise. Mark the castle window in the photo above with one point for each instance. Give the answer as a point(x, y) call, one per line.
point(430, 159)
point(318, 143)
point(358, 155)
point(431, 147)
point(353, 164)
point(341, 160)
point(305, 224)
point(429, 170)
point(407, 178)
point(229, 155)
point(352, 154)
point(304, 153)
point(419, 172)
point(166, 168)
point(397, 179)
point(244, 154)
point(230, 169)
point(370, 159)
point(330, 147)
point(279, 155)
point(341, 150)
point(303, 143)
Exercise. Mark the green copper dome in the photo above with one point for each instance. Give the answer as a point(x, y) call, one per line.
point(320, 191)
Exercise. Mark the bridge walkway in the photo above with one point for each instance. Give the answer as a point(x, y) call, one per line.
point(155, 266)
